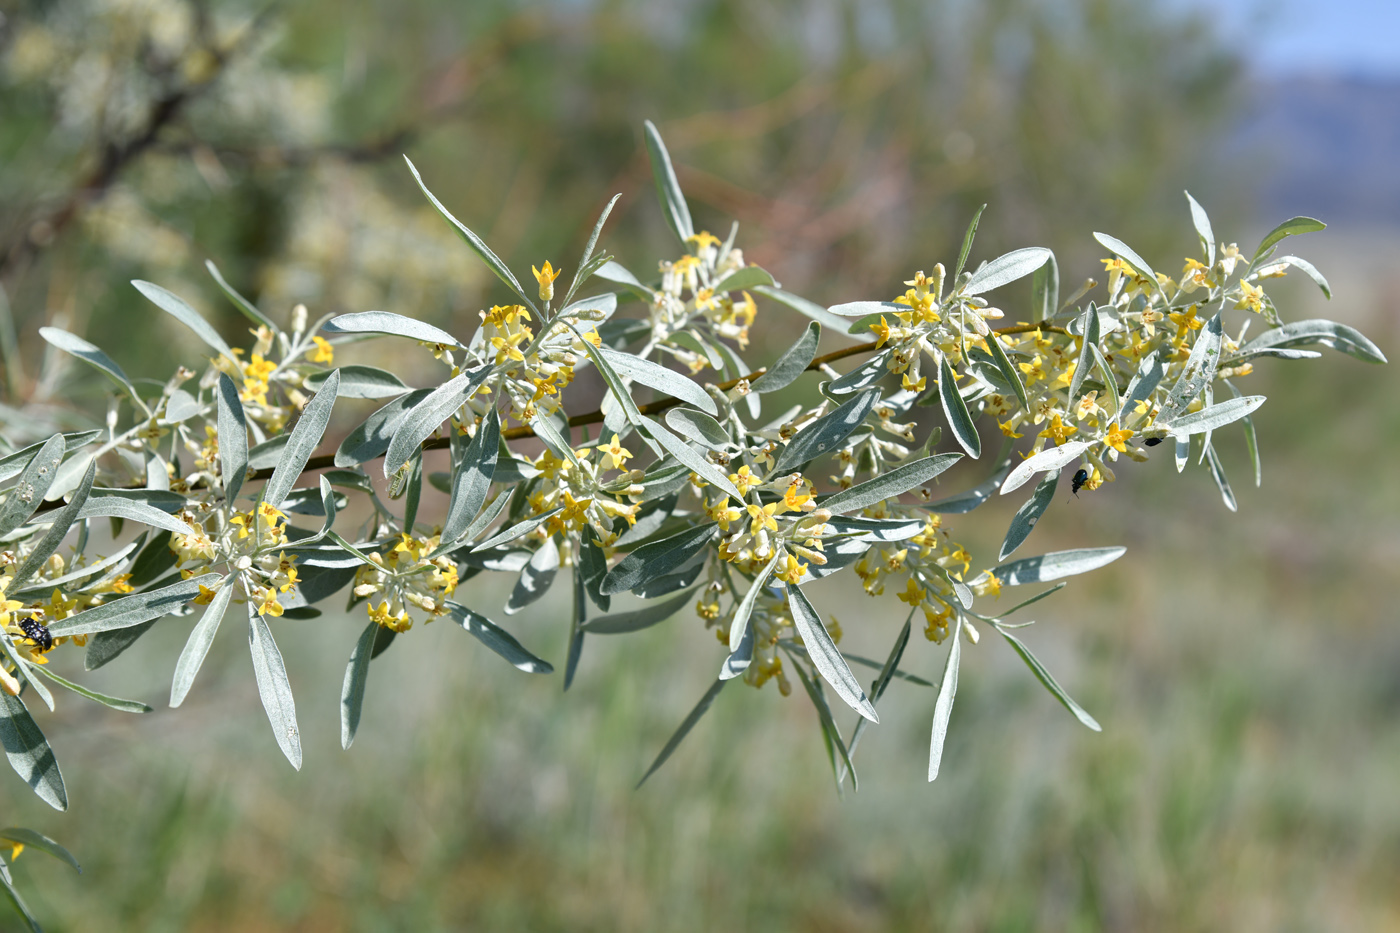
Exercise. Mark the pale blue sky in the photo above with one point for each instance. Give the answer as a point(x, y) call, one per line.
point(1351, 37)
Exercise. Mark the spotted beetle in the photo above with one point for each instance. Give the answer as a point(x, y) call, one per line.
point(38, 633)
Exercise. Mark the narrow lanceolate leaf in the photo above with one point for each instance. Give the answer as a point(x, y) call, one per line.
point(1006, 269)
point(28, 837)
point(390, 324)
point(955, 410)
point(24, 497)
point(740, 623)
point(1217, 473)
point(747, 277)
point(242, 304)
point(1009, 372)
point(197, 646)
point(888, 671)
point(1049, 681)
point(1050, 459)
point(697, 426)
point(63, 521)
point(1087, 343)
point(657, 559)
point(660, 378)
point(134, 609)
point(1198, 372)
point(498, 640)
point(429, 414)
point(274, 688)
point(1029, 514)
point(371, 439)
point(864, 375)
point(621, 622)
point(135, 510)
point(1045, 291)
point(1124, 252)
point(29, 753)
point(536, 577)
point(864, 309)
point(178, 308)
point(1213, 416)
point(352, 690)
point(738, 660)
point(968, 237)
point(116, 703)
point(1291, 227)
point(518, 530)
point(1145, 381)
point(811, 309)
point(1348, 340)
point(89, 353)
point(679, 735)
point(472, 480)
point(831, 733)
point(688, 455)
point(475, 242)
point(361, 382)
point(1305, 267)
point(668, 188)
point(302, 442)
point(943, 708)
point(889, 485)
point(791, 364)
point(14, 464)
point(588, 252)
point(826, 658)
point(1056, 564)
point(825, 435)
point(1203, 229)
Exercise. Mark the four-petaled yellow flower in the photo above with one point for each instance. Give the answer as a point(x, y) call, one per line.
point(1251, 298)
point(792, 570)
point(762, 517)
point(1117, 437)
point(324, 352)
point(1057, 430)
point(913, 593)
point(546, 277)
point(615, 452)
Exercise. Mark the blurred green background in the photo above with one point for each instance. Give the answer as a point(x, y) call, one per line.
point(1244, 666)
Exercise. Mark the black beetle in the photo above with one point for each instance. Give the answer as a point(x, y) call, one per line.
point(1080, 479)
point(38, 633)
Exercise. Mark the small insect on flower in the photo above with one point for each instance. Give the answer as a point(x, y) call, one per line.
point(1154, 441)
point(1080, 479)
point(38, 633)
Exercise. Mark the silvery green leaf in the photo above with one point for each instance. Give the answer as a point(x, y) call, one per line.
point(349, 479)
point(637, 619)
point(686, 454)
point(471, 482)
point(25, 496)
point(1052, 458)
point(895, 674)
point(592, 567)
point(1109, 379)
point(669, 583)
point(668, 189)
point(88, 353)
point(698, 427)
point(576, 634)
point(178, 308)
point(1029, 514)
point(302, 442)
point(134, 609)
point(825, 656)
point(61, 522)
point(14, 464)
point(1034, 599)
point(425, 417)
point(831, 733)
point(498, 640)
point(791, 364)
point(656, 559)
point(46, 586)
point(352, 689)
point(1217, 473)
point(329, 506)
point(1213, 416)
point(1008, 372)
point(614, 272)
point(1124, 252)
point(736, 367)
point(268, 454)
point(197, 646)
point(502, 560)
point(748, 277)
point(1203, 229)
point(740, 623)
point(242, 304)
point(371, 439)
point(135, 510)
point(536, 577)
point(29, 753)
point(180, 406)
point(968, 237)
point(811, 309)
point(688, 341)
point(657, 377)
point(1045, 291)
point(1348, 340)
point(1056, 564)
point(579, 277)
point(475, 242)
point(620, 391)
point(943, 708)
point(1006, 269)
point(889, 485)
point(274, 688)
point(1145, 381)
point(17, 902)
point(361, 382)
point(25, 670)
point(39, 841)
point(116, 703)
point(739, 659)
point(963, 502)
point(1049, 681)
point(866, 308)
point(864, 375)
point(1198, 373)
point(1307, 269)
point(1089, 323)
point(487, 516)
point(689, 723)
point(955, 410)
point(1251, 438)
point(413, 491)
point(874, 530)
point(153, 560)
point(391, 324)
point(594, 308)
point(825, 435)
point(518, 530)
point(1291, 227)
point(888, 671)
point(106, 646)
point(1183, 452)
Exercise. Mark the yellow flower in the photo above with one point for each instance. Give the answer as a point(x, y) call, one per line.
point(269, 605)
point(546, 277)
point(743, 480)
point(1117, 437)
point(724, 513)
point(324, 352)
point(762, 517)
point(987, 584)
point(1034, 370)
point(881, 331)
point(913, 593)
point(615, 452)
point(1057, 430)
point(796, 499)
point(702, 239)
point(792, 570)
point(205, 595)
point(1251, 298)
point(1008, 429)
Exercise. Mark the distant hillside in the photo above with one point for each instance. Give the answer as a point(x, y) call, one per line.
point(1327, 147)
